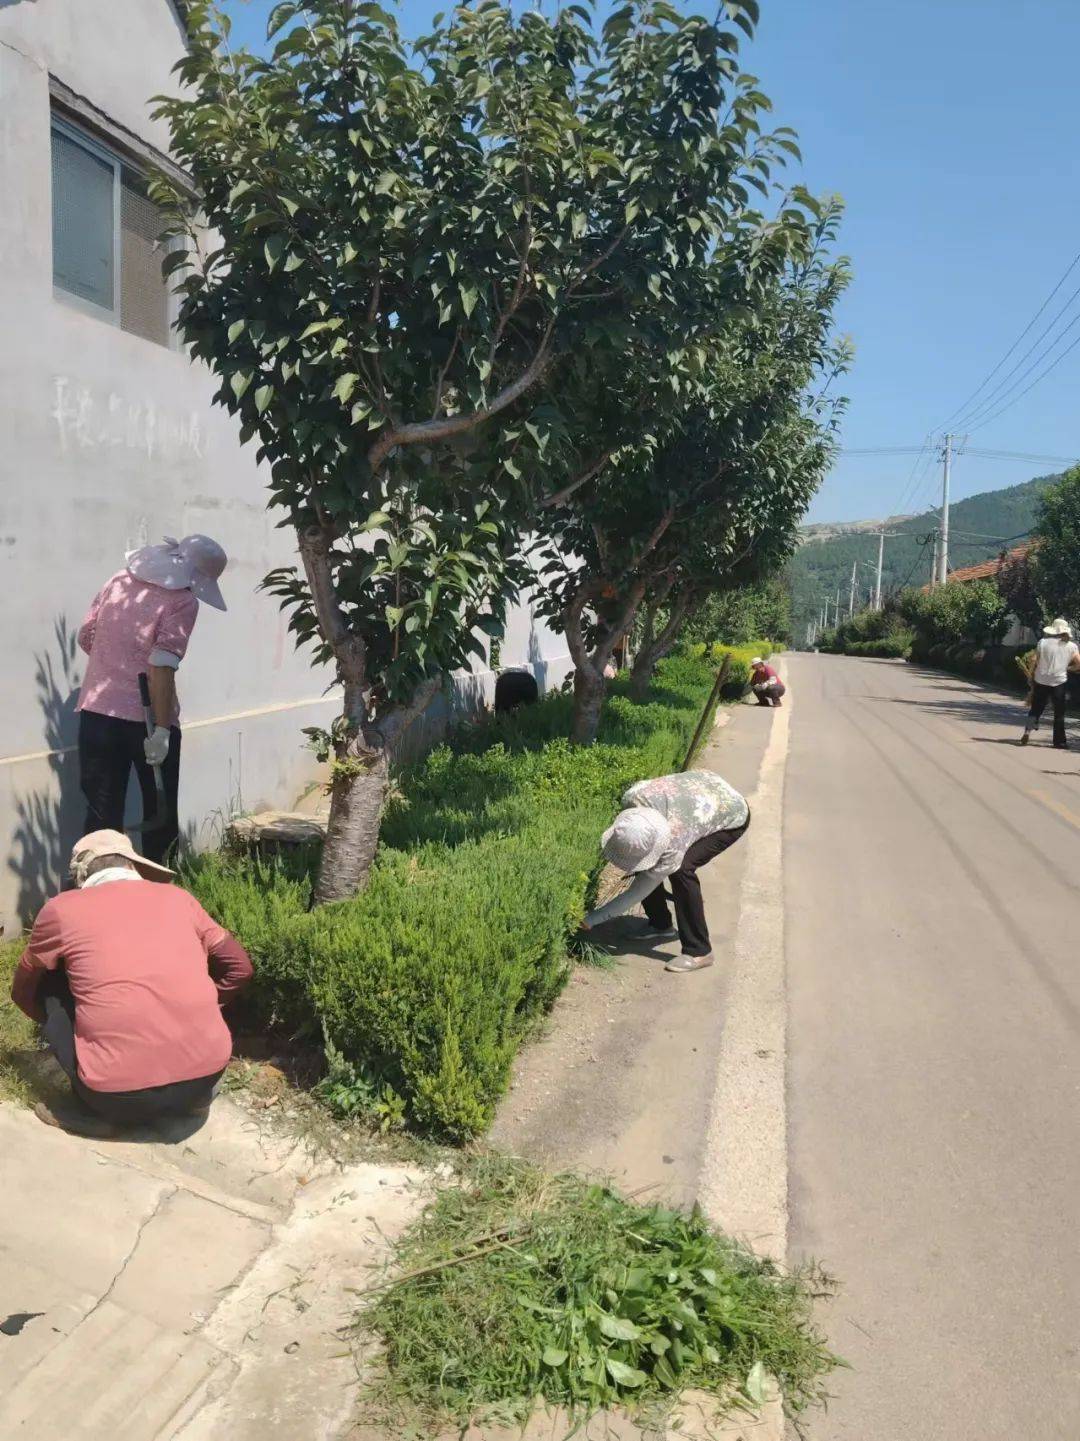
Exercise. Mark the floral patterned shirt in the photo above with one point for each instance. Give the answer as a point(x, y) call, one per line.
point(694, 804)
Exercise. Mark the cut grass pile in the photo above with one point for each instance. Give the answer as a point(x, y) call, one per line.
point(517, 1285)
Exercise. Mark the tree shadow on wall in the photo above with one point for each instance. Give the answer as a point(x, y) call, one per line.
point(48, 820)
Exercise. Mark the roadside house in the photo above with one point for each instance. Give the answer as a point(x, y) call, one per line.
point(1017, 634)
point(110, 441)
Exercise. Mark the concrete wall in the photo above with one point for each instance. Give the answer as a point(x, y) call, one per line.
point(108, 441)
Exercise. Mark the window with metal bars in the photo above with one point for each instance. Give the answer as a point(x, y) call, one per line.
point(106, 254)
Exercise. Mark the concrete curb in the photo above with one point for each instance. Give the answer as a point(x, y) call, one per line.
point(744, 1174)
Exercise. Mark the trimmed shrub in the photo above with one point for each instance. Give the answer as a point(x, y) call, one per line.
point(892, 647)
point(429, 981)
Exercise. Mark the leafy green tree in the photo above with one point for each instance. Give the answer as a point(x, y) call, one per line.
point(955, 613)
point(1017, 584)
point(395, 254)
point(1056, 557)
point(726, 479)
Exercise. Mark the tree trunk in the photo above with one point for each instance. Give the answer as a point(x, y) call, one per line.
point(352, 835)
point(362, 746)
point(641, 673)
point(588, 702)
point(655, 647)
point(358, 787)
point(589, 683)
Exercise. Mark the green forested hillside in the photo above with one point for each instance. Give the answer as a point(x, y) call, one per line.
point(979, 527)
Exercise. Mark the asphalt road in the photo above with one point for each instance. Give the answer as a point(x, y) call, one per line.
point(934, 1051)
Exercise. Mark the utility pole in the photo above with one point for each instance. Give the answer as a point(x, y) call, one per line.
point(880, 560)
point(851, 596)
point(943, 543)
point(836, 608)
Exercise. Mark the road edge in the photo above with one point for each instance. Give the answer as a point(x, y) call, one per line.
point(743, 1185)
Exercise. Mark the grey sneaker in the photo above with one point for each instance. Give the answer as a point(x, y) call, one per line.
point(689, 963)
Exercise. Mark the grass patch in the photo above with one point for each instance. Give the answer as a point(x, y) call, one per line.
point(518, 1285)
point(17, 1033)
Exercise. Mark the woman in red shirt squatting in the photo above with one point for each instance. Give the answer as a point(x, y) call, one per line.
point(127, 979)
point(765, 683)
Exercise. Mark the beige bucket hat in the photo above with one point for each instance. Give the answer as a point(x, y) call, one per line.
point(112, 843)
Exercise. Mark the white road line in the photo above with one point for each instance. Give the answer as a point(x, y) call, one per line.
point(744, 1187)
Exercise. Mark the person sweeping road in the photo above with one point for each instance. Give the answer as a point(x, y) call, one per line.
point(1055, 656)
point(138, 624)
point(127, 978)
point(667, 830)
point(765, 683)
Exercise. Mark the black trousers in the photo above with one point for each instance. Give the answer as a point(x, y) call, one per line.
point(1056, 695)
point(108, 748)
point(773, 695)
point(686, 892)
point(125, 1108)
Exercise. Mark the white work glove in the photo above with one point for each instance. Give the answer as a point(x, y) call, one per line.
point(156, 747)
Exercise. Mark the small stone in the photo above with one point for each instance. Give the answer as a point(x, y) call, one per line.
point(292, 1348)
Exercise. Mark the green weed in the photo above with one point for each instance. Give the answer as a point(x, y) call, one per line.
point(518, 1285)
point(17, 1033)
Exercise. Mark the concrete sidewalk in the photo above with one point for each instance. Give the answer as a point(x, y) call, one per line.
point(192, 1286)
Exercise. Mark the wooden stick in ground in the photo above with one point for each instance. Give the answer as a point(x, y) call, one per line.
point(710, 706)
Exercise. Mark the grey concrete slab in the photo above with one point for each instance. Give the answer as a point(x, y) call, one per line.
point(116, 1375)
point(76, 1215)
point(287, 1322)
point(234, 1154)
point(189, 1254)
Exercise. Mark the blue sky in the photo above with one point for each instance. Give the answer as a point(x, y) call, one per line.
point(952, 130)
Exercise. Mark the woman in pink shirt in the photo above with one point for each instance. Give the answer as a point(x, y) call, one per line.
point(140, 621)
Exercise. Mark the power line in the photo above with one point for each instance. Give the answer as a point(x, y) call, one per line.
point(908, 491)
point(1041, 376)
point(1019, 455)
point(920, 450)
point(979, 418)
point(1004, 388)
point(986, 379)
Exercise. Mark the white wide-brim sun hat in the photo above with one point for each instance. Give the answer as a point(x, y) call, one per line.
point(193, 563)
point(1058, 627)
point(636, 840)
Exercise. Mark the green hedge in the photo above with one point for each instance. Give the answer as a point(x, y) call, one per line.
point(430, 980)
point(996, 664)
point(892, 647)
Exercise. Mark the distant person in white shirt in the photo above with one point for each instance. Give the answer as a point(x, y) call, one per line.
point(1055, 655)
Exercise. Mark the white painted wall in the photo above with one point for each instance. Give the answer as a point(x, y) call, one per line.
point(108, 441)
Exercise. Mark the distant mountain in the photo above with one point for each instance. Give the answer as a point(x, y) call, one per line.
point(827, 529)
point(980, 528)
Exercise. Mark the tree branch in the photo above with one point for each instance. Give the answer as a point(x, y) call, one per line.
point(350, 652)
point(423, 432)
point(654, 539)
point(560, 496)
point(595, 264)
point(572, 628)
